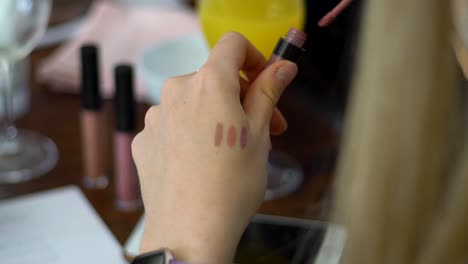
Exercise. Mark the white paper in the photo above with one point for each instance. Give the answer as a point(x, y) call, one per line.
point(132, 246)
point(55, 227)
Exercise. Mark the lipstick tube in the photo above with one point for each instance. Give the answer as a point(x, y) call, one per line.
point(92, 119)
point(128, 194)
point(290, 47)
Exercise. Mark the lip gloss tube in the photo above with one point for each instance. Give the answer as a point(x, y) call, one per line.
point(92, 121)
point(290, 47)
point(128, 194)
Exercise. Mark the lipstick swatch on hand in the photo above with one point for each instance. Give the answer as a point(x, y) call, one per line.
point(219, 134)
point(231, 137)
point(243, 138)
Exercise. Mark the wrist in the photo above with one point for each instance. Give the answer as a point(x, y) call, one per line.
point(194, 245)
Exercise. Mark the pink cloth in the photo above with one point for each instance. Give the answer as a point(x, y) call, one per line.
point(122, 34)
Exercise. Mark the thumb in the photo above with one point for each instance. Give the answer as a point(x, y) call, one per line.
point(266, 90)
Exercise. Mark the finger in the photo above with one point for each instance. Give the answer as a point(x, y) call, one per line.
point(137, 147)
point(278, 124)
point(151, 116)
point(265, 91)
point(332, 15)
point(234, 53)
point(174, 90)
point(244, 87)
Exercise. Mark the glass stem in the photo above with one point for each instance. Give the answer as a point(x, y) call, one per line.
point(8, 130)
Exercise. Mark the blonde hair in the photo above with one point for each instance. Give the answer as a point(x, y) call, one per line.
point(403, 168)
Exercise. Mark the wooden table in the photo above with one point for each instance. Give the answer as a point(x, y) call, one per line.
point(309, 139)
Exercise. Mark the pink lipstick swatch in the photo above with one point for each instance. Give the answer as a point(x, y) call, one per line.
point(219, 134)
point(243, 138)
point(231, 137)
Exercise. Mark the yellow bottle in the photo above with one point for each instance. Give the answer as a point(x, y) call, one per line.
point(263, 22)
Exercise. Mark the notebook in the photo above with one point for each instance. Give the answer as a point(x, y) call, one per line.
point(55, 227)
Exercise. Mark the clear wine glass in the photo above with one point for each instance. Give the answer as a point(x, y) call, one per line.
point(263, 22)
point(23, 154)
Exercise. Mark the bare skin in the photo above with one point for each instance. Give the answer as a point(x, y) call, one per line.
point(203, 153)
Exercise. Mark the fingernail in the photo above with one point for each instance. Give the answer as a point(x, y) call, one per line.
point(322, 23)
point(286, 73)
point(327, 20)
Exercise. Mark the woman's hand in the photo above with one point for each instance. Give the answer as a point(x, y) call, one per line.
point(203, 153)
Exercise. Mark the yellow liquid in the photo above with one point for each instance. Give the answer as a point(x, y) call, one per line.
point(261, 22)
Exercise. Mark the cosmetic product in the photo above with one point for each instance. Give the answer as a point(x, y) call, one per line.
point(289, 47)
point(285, 174)
point(92, 121)
point(126, 178)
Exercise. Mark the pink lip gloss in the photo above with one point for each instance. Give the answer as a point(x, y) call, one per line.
point(92, 119)
point(126, 177)
point(290, 47)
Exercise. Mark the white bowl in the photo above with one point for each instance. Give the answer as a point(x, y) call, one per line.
point(171, 58)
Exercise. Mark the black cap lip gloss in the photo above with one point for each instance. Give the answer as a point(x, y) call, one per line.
point(90, 79)
point(92, 119)
point(128, 195)
point(124, 100)
point(290, 47)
